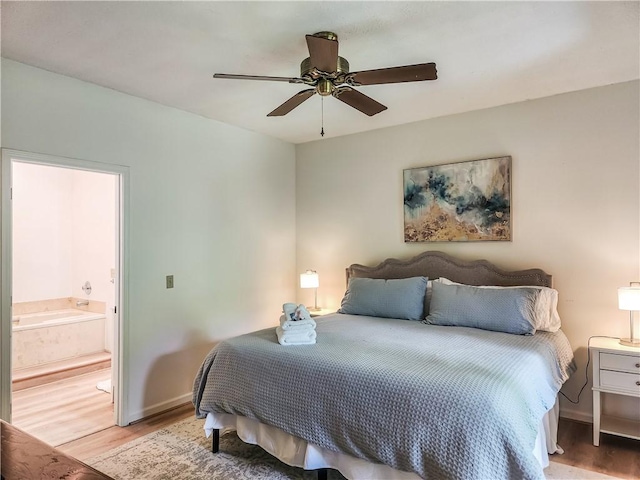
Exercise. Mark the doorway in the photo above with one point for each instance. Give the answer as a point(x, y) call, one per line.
point(62, 334)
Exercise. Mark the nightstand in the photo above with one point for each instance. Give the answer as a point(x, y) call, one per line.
point(616, 370)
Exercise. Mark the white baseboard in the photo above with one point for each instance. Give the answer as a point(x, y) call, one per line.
point(160, 407)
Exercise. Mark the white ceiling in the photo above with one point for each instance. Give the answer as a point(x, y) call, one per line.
point(487, 53)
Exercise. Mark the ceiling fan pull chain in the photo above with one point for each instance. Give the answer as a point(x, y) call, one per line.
point(322, 116)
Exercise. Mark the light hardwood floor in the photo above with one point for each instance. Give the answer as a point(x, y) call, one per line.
point(113, 437)
point(61, 411)
point(616, 456)
point(619, 457)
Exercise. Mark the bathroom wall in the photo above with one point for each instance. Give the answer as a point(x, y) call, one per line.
point(41, 232)
point(93, 211)
point(94, 240)
point(63, 235)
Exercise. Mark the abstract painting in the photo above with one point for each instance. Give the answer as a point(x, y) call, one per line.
point(458, 202)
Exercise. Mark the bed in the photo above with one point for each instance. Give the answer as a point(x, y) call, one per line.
point(391, 398)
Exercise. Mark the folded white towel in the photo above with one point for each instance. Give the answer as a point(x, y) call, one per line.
point(297, 325)
point(289, 337)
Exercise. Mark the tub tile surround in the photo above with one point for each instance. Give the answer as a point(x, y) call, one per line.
point(51, 344)
point(38, 306)
point(43, 343)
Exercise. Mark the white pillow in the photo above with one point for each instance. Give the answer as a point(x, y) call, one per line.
point(427, 297)
point(546, 306)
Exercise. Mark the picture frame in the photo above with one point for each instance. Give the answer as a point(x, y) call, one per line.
point(458, 202)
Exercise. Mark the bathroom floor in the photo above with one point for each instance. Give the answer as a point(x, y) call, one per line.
point(64, 410)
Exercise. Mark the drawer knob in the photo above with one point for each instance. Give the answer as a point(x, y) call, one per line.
point(637, 365)
point(638, 383)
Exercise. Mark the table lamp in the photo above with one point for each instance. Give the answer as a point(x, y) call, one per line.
point(629, 299)
point(310, 279)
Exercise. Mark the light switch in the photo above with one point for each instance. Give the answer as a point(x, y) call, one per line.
point(169, 281)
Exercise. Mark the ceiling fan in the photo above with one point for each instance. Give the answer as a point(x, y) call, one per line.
point(329, 74)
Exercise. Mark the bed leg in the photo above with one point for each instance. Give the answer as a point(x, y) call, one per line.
point(322, 473)
point(215, 441)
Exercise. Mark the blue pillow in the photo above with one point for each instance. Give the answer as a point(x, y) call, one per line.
point(401, 298)
point(499, 310)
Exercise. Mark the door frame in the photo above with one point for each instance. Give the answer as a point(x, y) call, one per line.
point(120, 353)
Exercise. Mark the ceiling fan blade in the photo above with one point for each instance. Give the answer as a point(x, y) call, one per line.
point(292, 103)
point(407, 73)
point(323, 53)
point(359, 101)
point(257, 77)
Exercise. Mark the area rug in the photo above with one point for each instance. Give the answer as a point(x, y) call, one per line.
point(181, 451)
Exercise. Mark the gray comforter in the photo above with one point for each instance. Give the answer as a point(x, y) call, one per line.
point(443, 402)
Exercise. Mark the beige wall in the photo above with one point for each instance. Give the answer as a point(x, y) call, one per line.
point(575, 203)
point(42, 232)
point(94, 234)
point(63, 233)
point(212, 204)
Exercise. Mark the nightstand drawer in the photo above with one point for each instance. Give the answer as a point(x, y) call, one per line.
point(622, 363)
point(623, 382)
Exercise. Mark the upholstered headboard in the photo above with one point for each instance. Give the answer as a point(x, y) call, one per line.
point(438, 264)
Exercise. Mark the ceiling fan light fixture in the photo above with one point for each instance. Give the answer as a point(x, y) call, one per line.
point(325, 87)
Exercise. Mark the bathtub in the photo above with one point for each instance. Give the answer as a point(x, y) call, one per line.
point(46, 337)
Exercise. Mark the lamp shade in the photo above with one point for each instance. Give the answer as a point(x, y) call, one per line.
point(309, 279)
point(629, 298)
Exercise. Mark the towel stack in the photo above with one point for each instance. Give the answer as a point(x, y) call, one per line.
point(296, 326)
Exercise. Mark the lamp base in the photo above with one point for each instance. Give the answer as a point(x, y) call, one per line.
point(630, 342)
point(314, 309)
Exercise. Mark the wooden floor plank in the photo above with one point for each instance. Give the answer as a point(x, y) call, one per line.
point(616, 456)
point(115, 436)
point(67, 409)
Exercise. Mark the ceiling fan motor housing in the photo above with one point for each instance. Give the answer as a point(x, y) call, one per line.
point(325, 85)
point(307, 69)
